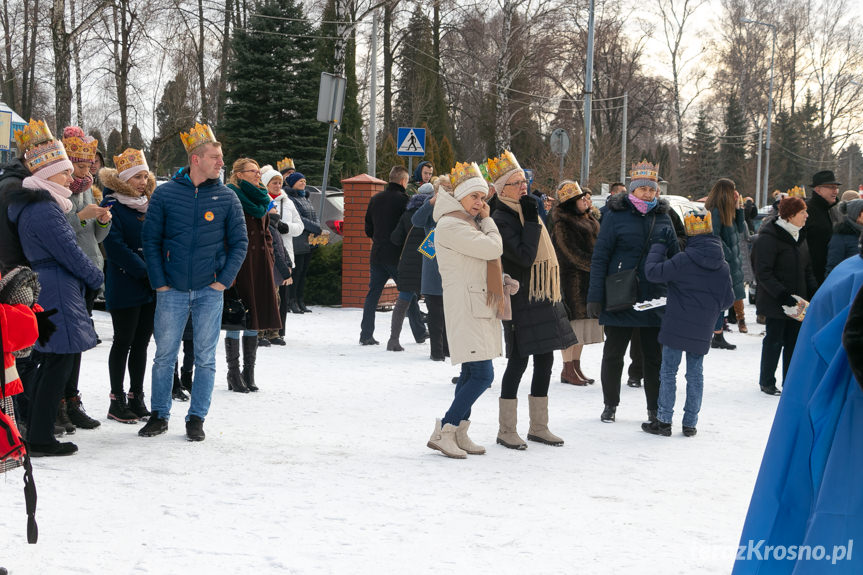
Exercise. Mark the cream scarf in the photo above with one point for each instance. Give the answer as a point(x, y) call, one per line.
point(545, 271)
point(59, 193)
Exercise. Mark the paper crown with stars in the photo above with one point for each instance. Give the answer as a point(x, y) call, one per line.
point(697, 224)
point(501, 166)
point(465, 179)
point(41, 150)
point(199, 135)
point(285, 164)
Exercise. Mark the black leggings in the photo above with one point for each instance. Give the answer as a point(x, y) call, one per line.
point(437, 326)
point(133, 327)
point(284, 304)
point(542, 364)
point(301, 261)
point(55, 372)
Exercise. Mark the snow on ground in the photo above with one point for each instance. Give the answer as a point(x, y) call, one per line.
point(326, 470)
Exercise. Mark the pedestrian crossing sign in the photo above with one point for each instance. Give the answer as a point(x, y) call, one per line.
point(411, 142)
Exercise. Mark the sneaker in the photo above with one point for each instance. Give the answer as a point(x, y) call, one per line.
point(368, 341)
point(657, 428)
point(137, 405)
point(689, 431)
point(195, 429)
point(77, 415)
point(55, 449)
point(608, 414)
point(276, 341)
point(119, 410)
point(155, 426)
point(770, 390)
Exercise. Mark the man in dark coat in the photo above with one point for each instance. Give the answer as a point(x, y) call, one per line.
point(819, 226)
point(194, 246)
point(383, 213)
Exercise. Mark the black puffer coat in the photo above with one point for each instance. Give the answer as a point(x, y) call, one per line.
point(782, 268)
point(408, 238)
point(536, 326)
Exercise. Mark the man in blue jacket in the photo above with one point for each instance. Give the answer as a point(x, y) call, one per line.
point(194, 241)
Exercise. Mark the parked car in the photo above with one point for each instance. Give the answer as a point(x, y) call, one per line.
point(334, 209)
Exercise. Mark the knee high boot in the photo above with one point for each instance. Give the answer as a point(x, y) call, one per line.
point(235, 378)
point(741, 320)
point(398, 320)
point(538, 430)
point(250, 351)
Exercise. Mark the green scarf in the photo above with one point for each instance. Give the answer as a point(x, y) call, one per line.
point(255, 200)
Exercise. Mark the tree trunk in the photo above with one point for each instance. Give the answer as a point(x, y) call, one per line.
point(387, 24)
point(223, 65)
point(76, 56)
point(202, 79)
point(9, 91)
point(62, 57)
point(502, 133)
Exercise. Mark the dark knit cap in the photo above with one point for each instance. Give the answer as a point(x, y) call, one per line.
point(294, 178)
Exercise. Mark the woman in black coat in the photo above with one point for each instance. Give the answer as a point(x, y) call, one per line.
point(408, 238)
point(296, 190)
point(783, 269)
point(539, 324)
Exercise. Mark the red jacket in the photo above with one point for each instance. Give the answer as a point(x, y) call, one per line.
point(18, 323)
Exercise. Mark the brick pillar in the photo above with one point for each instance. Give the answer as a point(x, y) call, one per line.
point(356, 246)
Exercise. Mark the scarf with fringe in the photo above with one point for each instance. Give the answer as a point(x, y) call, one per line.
point(545, 271)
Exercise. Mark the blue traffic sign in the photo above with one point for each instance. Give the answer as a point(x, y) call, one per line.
point(411, 142)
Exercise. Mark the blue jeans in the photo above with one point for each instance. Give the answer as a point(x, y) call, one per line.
point(236, 334)
point(172, 310)
point(378, 275)
point(668, 385)
point(475, 378)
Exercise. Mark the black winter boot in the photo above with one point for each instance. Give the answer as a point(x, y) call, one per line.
point(62, 421)
point(720, 343)
point(651, 415)
point(177, 388)
point(656, 427)
point(294, 307)
point(137, 405)
point(250, 351)
point(77, 415)
point(119, 410)
point(396, 323)
point(186, 380)
point(302, 306)
point(608, 414)
point(235, 378)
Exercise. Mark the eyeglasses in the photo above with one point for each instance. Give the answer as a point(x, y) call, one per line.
point(256, 172)
point(517, 184)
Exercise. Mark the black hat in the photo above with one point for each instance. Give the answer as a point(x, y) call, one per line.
point(824, 178)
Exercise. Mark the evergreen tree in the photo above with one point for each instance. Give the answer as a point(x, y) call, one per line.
point(97, 135)
point(387, 158)
point(349, 155)
point(700, 167)
point(112, 147)
point(849, 164)
point(271, 107)
point(446, 157)
point(786, 169)
point(732, 149)
point(174, 114)
point(136, 139)
point(420, 89)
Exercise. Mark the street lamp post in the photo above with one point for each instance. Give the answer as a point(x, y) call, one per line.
point(769, 100)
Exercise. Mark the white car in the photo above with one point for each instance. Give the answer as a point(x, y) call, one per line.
point(679, 204)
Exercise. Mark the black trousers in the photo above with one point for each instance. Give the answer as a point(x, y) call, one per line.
point(437, 326)
point(52, 378)
point(301, 263)
point(515, 366)
point(133, 327)
point(780, 338)
point(636, 369)
point(284, 304)
point(616, 340)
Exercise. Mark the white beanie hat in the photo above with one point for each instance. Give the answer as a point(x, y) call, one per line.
point(268, 173)
point(467, 179)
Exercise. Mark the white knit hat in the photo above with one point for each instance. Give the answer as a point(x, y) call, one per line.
point(268, 173)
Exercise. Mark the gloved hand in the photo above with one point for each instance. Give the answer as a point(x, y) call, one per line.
point(45, 326)
point(528, 208)
point(283, 227)
point(594, 308)
point(790, 301)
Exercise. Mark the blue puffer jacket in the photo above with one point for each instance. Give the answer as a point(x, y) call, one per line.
point(126, 282)
point(730, 237)
point(431, 280)
point(64, 270)
point(194, 236)
point(699, 288)
point(622, 235)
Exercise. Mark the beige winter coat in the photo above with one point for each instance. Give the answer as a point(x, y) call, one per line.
point(473, 331)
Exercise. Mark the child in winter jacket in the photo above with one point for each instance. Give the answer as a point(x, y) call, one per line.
point(699, 289)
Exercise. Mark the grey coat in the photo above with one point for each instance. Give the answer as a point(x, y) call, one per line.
point(89, 233)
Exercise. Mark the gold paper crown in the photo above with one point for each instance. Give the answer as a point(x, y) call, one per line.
point(198, 136)
point(32, 135)
point(568, 191)
point(79, 150)
point(796, 192)
point(463, 172)
point(129, 159)
point(698, 224)
point(285, 164)
point(501, 166)
point(644, 170)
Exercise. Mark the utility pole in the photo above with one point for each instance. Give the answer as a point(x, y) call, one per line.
point(623, 139)
point(588, 93)
point(758, 173)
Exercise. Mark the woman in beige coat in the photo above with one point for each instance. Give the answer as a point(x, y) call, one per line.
point(468, 249)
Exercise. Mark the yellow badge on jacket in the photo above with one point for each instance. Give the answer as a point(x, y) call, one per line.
point(209, 216)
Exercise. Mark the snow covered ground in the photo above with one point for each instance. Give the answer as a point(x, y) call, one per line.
point(326, 470)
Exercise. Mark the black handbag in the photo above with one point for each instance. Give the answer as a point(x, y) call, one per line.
point(621, 288)
point(234, 311)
